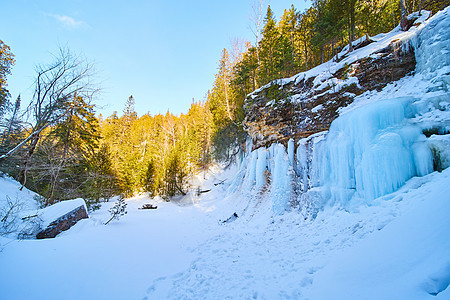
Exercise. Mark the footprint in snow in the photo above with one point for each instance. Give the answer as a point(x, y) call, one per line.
point(438, 282)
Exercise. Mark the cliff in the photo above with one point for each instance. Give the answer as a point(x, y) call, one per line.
point(356, 128)
point(308, 102)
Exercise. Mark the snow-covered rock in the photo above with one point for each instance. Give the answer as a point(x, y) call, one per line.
point(60, 217)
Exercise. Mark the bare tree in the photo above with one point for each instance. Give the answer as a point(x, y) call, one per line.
point(56, 84)
point(238, 47)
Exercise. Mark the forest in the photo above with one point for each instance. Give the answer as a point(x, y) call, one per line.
point(58, 146)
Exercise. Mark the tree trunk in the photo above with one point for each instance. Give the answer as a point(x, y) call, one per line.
point(321, 54)
point(22, 177)
point(306, 56)
point(351, 23)
point(403, 20)
point(225, 83)
point(54, 181)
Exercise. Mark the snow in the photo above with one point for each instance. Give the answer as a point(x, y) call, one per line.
point(408, 259)
point(397, 249)
point(10, 188)
point(368, 218)
point(26, 206)
point(16, 204)
point(317, 108)
point(53, 212)
point(441, 145)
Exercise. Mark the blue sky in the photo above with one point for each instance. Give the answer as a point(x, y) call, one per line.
point(164, 53)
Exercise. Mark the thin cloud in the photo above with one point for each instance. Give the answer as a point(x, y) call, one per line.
point(69, 21)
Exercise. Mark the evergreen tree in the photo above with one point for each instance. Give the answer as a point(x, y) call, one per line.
point(269, 49)
point(73, 140)
point(150, 180)
point(245, 72)
point(6, 63)
point(304, 28)
point(288, 62)
point(118, 210)
point(12, 128)
point(101, 182)
point(220, 98)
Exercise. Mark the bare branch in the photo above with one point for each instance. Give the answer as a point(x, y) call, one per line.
point(56, 84)
point(257, 18)
point(6, 155)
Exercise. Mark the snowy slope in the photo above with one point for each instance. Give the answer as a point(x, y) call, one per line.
point(10, 189)
point(394, 245)
point(395, 250)
point(408, 259)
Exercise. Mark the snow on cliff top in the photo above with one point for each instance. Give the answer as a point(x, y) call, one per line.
point(323, 72)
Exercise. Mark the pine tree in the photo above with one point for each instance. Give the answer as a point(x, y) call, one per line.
point(118, 210)
point(304, 29)
point(150, 180)
point(6, 63)
point(269, 48)
point(220, 96)
point(245, 72)
point(101, 181)
point(13, 125)
point(319, 39)
point(288, 62)
point(74, 138)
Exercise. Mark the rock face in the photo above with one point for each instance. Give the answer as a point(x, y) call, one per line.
point(63, 222)
point(308, 102)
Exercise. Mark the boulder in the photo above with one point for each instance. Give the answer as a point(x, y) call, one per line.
point(60, 217)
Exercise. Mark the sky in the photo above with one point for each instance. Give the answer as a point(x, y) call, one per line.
point(164, 53)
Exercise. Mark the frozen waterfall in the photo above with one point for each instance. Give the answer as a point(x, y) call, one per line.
point(374, 146)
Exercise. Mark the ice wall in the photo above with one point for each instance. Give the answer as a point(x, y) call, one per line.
point(268, 170)
point(432, 48)
point(281, 179)
point(374, 150)
point(374, 146)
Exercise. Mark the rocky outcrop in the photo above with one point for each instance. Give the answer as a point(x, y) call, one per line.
point(65, 220)
point(309, 102)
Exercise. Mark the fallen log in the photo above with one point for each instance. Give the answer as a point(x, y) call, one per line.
point(148, 206)
point(220, 182)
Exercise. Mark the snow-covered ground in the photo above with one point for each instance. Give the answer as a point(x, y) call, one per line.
point(243, 240)
point(398, 248)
